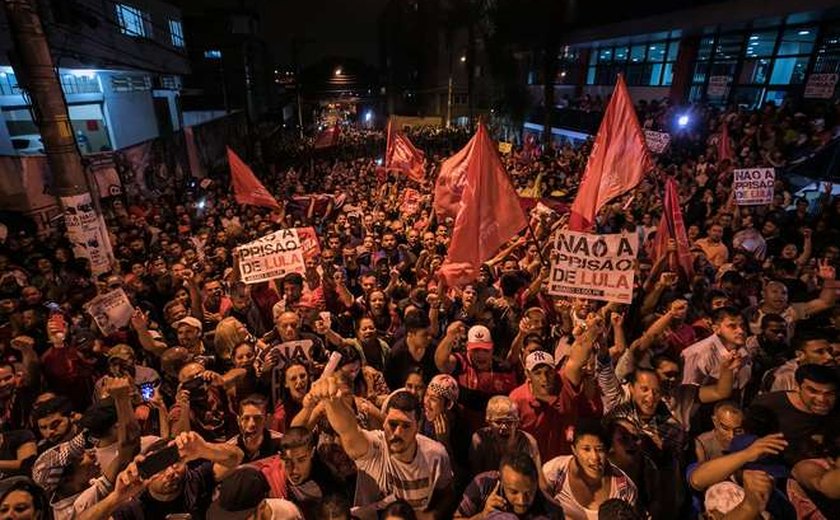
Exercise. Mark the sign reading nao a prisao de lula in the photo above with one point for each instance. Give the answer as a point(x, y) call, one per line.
point(272, 256)
point(594, 267)
point(753, 186)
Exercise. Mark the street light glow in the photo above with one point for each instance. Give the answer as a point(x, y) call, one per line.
point(368, 116)
point(683, 121)
point(463, 59)
point(338, 71)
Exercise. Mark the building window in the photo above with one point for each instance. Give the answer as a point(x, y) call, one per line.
point(133, 21)
point(176, 33)
point(213, 54)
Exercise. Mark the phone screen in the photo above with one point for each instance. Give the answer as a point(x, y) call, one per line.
point(158, 461)
point(147, 391)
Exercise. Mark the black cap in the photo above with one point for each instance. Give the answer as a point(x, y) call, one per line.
point(243, 489)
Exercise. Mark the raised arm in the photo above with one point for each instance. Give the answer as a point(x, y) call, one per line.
point(814, 477)
point(341, 417)
point(827, 296)
point(444, 360)
point(581, 349)
point(225, 457)
point(719, 469)
point(723, 388)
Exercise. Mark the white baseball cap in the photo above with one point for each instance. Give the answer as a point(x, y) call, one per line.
point(479, 337)
point(537, 358)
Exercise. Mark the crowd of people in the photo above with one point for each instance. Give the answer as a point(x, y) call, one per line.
point(365, 387)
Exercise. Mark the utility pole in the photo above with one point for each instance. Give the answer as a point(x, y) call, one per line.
point(33, 66)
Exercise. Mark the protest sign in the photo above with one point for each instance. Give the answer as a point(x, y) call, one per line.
point(821, 86)
point(410, 202)
point(111, 311)
point(287, 353)
point(272, 256)
point(505, 148)
point(657, 142)
point(309, 243)
point(594, 267)
point(753, 186)
point(718, 86)
point(87, 233)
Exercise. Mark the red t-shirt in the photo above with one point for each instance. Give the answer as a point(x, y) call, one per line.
point(476, 388)
point(552, 424)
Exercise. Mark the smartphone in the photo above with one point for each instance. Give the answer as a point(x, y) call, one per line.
point(158, 461)
point(147, 391)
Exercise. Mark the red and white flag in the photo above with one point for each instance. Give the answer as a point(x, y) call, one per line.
point(402, 156)
point(618, 160)
point(724, 147)
point(327, 138)
point(489, 213)
point(247, 189)
point(672, 227)
point(450, 182)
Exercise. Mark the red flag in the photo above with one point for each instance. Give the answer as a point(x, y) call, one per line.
point(450, 182)
point(724, 147)
point(489, 212)
point(402, 156)
point(671, 226)
point(618, 160)
point(327, 138)
point(247, 189)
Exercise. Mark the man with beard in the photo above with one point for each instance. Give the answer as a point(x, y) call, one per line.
point(513, 489)
point(189, 335)
point(395, 462)
point(808, 349)
point(56, 422)
point(254, 439)
point(180, 488)
point(502, 437)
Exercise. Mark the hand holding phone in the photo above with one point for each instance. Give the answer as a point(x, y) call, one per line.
point(158, 461)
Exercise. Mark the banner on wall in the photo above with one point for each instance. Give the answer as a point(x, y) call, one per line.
point(753, 186)
point(821, 86)
point(594, 267)
point(86, 231)
point(272, 256)
point(110, 311)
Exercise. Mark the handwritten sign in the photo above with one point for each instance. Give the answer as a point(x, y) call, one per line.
point(594, 267)
point(753, 186)
point(272, 256)
point(505, 148)
point(657, 142)
point(110, 311)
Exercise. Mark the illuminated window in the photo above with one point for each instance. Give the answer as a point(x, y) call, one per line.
point(176, 33)
point(213, 54)
point(133, 21)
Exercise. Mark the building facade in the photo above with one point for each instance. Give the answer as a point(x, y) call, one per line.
point(120, 64)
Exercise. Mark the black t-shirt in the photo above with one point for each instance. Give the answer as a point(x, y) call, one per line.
point(400, 362)
point(774, 412)
point(12, 440)
point(195, 498)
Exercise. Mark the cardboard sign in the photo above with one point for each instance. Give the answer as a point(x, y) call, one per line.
point(272, 256)
point(657, 142)
point(821, 86)
point(505, 148)
point(594, 267)
point(718, 86)
point(309, 243)
point(753, 186)
point(111, 311)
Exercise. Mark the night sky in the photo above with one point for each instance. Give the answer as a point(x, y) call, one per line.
point(330, 28)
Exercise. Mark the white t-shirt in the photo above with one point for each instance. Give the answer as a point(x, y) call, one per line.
point(556, 473)
point(382, 478)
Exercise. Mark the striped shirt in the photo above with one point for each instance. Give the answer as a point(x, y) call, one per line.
point(383, 478)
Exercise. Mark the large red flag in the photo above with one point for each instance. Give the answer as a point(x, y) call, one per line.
point(327, 138)
point(247, 189)
point(401, 155)
point(672, 227)
point(450, 182)
point(724, 147)
point(489, 213)
point(618, 160)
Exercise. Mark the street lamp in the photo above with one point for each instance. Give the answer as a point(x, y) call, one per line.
point(463, 59)
point(338, 71)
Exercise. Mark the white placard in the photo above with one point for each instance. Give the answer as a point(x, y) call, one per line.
point(821, 86)
point(272, 256)
point(753, 186)
point(111, 311)
point(657, 142)
point(718, 85)
point(594, 267)
point(87, 233)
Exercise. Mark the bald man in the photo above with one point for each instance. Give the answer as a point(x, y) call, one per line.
point(501, 437)
point(728, 419)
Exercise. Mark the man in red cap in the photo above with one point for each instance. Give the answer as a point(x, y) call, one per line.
point(479, 375)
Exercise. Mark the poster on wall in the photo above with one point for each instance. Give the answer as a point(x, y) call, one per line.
point(594, 267)
point(753, 186)
point(821, 86)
